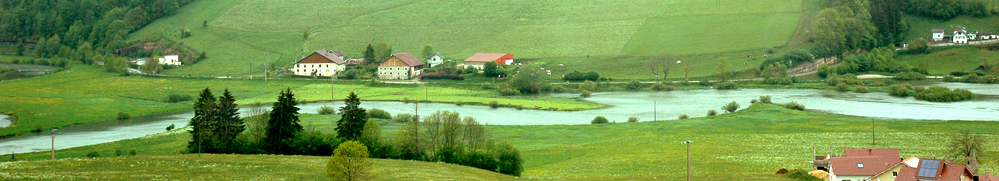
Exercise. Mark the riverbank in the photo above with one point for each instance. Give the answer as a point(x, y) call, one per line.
point(751, 143)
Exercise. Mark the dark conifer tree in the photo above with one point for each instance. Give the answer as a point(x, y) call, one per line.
point(350, 126)
point(369, 54)
point(230, 124)
point(204, 115)
point(283, 123)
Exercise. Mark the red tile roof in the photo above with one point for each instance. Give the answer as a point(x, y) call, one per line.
point(338, 53)
point(485, 57)
point(327, 55)
point(988, 177)
point(947, 172)
point(408, 59)
point(874, 161)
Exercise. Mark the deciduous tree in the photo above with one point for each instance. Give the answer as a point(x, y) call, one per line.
point(349, 163)
point(965, 144)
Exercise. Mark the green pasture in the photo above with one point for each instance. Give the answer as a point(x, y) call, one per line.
point(943, 61)
point(85, 93)
point(241, 31)
point(751, 143)
point(922, 27)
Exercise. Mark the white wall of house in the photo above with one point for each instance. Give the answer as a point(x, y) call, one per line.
point(170, 60)
point(321, 69)
point(435, 60)
point(938, 36)
point(963, 39)
point(397, 72)
point(849, 178)
point(476, 65)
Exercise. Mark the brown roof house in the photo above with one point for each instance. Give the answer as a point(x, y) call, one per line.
point(401, 66)
point(862, 164)
point(323, 63)
point(479, 59)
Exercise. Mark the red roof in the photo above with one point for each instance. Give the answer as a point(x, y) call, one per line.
point(408, 59)
point(948, 172)
point(486, 57)
point(864, 161)
point(326, 54)
point(938, 30)
point(338, 53)
point(988, 177)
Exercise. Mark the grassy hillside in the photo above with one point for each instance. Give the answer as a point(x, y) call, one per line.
point(922, 27)
point(751, 143)
point(228, 167)
point(943, 61)
point(241, 31)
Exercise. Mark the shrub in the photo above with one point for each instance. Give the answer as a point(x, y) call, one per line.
point(132, 152)
point(633, 85)
point(584, 93)
point(799, 174)
point(943, 94)
point(899, 90)
point(662, 87)
point(824, 71)
point(861, 89)
point(909, 76)
point(753, 101)
point(326, 110)
point(684, 116)
point(509, 91)
point(124, 116)
point(795, 106)
point(704, 82)
point(765, 99)
point(349, 162)
point(632, 119)
point(842, 87)
point(555, 88)
point(958, 74)
point(313, 143)
point(376, 113)
point(405, 117)
point(727, 86)
point(599, 120)
point(949, 78)
point(712, 112)
point(117, 152)
point(731, 107)
point(878, 84)
point(168, 128)
point(588, 85)
point(579, 76)
point(494, 104)
point(486, 85)
point(93, 154)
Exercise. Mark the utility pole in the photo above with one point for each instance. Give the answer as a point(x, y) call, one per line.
point(688, 157)
point(53, 143)
point(654, 109)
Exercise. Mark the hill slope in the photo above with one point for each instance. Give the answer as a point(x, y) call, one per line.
point(228, 167)
point(241, 31)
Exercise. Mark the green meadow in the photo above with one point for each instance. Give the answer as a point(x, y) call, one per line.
point(83, 94)
point(749, 144)
point(943, 61)
point(241, 35)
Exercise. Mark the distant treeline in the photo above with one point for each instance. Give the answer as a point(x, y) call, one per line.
point(947, 9)
point(103, 24)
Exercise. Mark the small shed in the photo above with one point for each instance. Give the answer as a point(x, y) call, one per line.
point(938, 34)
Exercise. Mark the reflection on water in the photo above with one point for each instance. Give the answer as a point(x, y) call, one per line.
point(24, 71)
point(622, 105)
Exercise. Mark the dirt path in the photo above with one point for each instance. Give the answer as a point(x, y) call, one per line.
point(812, 67)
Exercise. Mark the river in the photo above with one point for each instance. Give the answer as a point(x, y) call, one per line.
point(24, 71)
point(621, 106)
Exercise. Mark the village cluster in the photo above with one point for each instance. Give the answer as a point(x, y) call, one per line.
point(887, 165)
point(961, 36)
point(402, 66)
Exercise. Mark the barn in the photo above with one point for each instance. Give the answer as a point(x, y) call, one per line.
point(321, 63)
point(479, 59)
point(401, 66)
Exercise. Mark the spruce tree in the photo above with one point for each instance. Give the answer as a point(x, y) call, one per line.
point(230, 124)
point(283, 123)
point(204, 115)
point(369, 54)
point(351, 124)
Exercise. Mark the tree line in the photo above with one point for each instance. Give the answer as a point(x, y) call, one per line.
point(441, 136)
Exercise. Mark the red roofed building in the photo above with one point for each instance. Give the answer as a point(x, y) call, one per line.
point(988, 177)
point(479, 59)
point(862, 164)
point(400, 67)
point(321, 63)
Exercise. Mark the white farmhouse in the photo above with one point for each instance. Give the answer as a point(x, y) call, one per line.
point(960, 36)
point(401, 66)
point(321, 63)
point(170, 60)
point(435, 60)
point(938, 34)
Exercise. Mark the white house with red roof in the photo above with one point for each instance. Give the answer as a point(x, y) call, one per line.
point(862, 164)
point(401, 66)
point(321, 63)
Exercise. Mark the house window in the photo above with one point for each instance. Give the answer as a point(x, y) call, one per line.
point(894, 174)
point(860, 165)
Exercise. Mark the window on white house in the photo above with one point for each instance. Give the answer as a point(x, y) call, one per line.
point(894, 174)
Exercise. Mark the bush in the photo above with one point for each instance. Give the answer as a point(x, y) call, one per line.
point(132, 152)
point(861, 89)
point(958, 74)
point(313, 143)
point(509, 91)
point(588, 86)
point(350, 162)
point(599, 120)
point(662, 87)
point(117, 152)
point(824, 71)
point(727, 86)
point(556, 88)
point(486, 85)
point(326, 110)
point(633, 85)
point(437, 76)
point(949, 78)
point(842, 87)
point(753, 101)
point(799, 174)
point(584, 93)
point(93, 154)
point(124, 116)
point(376, 113)
point(632, 119)
point(943, 94)
point(731, 107)
point(168, 128)
point(712, 112)
point(909, 76)
point(878, 84)
point(899, 90)
point(579, 76)
point(405, 117)
point(765, 99)
point(494, 105)
point(795, 106)
point(684, 116)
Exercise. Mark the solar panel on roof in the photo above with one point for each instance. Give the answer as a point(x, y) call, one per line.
point(928, 168)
